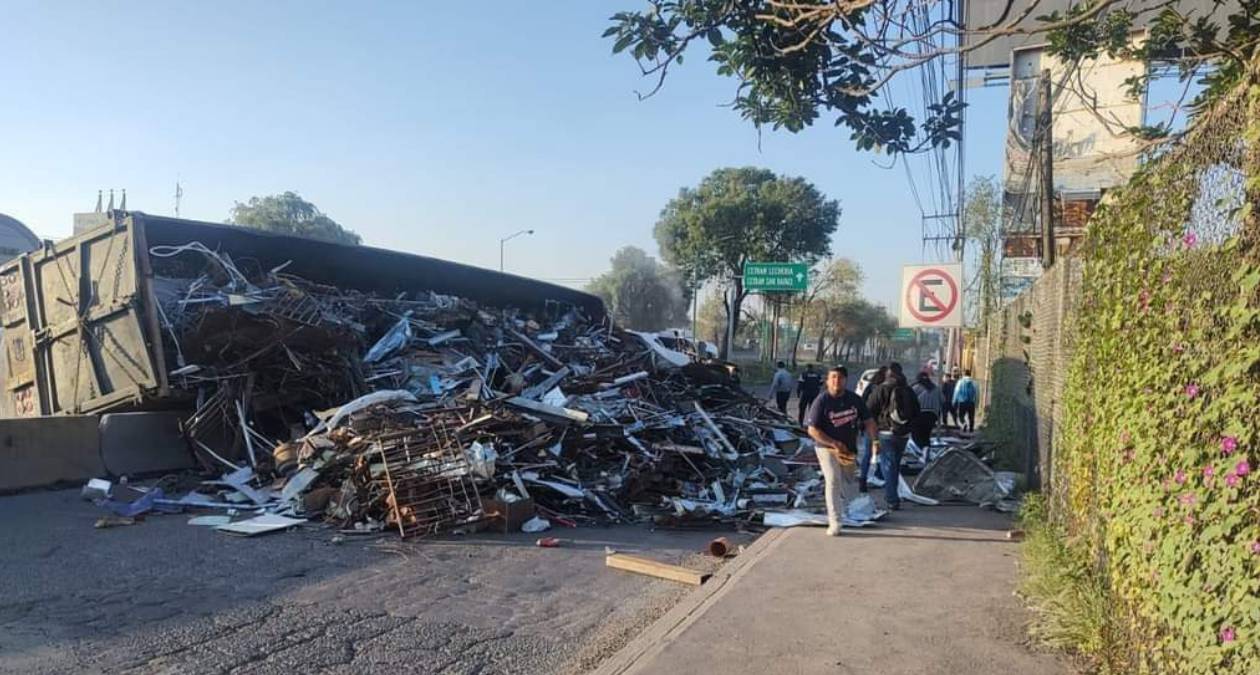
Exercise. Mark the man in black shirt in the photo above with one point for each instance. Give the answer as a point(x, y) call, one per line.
point(834, 419)
point(807, 387)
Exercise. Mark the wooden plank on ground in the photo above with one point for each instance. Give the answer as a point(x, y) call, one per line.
point(654, 568)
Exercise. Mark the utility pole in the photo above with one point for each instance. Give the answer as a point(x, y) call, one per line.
point(730, 323)
point(695, 311)
point(774, 330)
point(1045, 128)
point(954, 338)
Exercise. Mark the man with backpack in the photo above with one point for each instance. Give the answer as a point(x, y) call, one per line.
point(895, 408)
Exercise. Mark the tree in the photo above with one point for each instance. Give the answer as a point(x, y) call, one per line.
point(982, 223)
point(641, 293)
point(795, 60)
point(831, 282)
point(712, 322)
point(740, 215)
point(288, 213)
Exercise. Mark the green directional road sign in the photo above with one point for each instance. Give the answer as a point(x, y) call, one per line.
point(903, 334)
point(785, 277)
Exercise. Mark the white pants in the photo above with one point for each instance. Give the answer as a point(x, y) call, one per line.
point(840, 483)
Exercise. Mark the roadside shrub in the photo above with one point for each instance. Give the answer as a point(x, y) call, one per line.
point(1068, 601)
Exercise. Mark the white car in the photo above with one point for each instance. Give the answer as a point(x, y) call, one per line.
point(865, 380)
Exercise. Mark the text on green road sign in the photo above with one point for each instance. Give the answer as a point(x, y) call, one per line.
point(775, 276)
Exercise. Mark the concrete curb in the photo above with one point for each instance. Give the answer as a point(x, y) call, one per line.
point(640, 651)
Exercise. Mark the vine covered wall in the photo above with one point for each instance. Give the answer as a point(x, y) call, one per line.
point(1128, 380)
point(1161, 413)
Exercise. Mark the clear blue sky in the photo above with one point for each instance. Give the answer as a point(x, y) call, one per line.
point(434, 128)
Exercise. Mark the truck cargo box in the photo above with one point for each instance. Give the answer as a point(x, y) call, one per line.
point(81, 330)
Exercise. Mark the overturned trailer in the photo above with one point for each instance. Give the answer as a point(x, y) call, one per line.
point(83, 325)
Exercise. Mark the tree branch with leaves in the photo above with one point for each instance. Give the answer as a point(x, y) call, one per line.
point(796, 60)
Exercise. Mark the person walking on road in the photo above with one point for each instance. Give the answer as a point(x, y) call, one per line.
point(807, 388)
point(931, 400)
point(781, 387)
point(895, 408)
point(947, 399)
point(966, 394)
point(833, 421)
point(864, 454)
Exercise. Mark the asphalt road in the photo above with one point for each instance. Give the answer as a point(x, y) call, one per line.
point(166, 597)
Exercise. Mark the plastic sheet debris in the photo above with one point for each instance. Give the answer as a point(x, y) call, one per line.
point(210, 521)
point(268, 522)
point(535, 525)
point(861, 508)
point(793, 518)
point(113, 521)
point(96, 488)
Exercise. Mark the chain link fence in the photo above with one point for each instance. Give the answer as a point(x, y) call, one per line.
point(1022, 361)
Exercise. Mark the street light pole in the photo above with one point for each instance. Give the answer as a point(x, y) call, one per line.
point(505, 240)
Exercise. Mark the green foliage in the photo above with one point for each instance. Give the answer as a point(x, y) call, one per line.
point(791, 66)
point(1153, 476)
point(640, 293)
point(744, 214)
point(288, 213)
point(1057, 582)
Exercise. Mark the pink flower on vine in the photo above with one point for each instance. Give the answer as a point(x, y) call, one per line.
point(1189, 519)
point(1255, 547)
point(1192, 390)
point(1180, 477)
point(1209, 471)
point(1242, 468)
point(1178, 348)
point(1228, 634)
point(1229, 444)
point(1190, 239)
point(1159, 512)
point(1189, 499)
point(1231, 479)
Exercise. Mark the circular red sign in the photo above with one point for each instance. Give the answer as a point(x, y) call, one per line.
point(943, 308)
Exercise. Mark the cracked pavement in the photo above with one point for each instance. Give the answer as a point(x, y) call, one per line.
point(166, 597)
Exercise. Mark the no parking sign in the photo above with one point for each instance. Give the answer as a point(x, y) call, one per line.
point(931, 296)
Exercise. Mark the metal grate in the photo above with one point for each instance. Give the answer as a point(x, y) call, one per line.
point(428, 479)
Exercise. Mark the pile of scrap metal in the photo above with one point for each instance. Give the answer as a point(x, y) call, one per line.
point(407, 412)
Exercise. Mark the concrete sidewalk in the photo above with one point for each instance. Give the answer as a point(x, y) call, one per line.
point(929, 591)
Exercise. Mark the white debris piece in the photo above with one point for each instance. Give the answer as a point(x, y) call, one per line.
point(535, 525)
point(263, 524)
